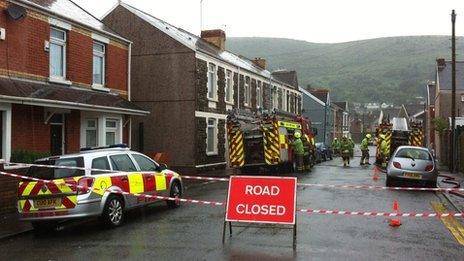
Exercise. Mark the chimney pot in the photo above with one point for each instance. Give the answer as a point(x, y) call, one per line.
point(441, 63)
point(260, 62)
point(216, 37)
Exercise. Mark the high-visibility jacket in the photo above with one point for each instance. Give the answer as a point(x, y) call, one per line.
point(298, 146)
point(335, 144)
point(345, 145)
point(384, 148)
point(365, 144)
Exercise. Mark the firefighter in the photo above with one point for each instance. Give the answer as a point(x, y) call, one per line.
point(365, 150)
point(335, 146)
point(298, 148)
point(345, 147)
point(352, 147)
point(383, 150)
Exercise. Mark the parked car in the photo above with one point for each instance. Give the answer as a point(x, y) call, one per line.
point(78, 193)
point(410, 163)
point(323, 152)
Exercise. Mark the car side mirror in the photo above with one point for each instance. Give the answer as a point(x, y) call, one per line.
point(162, 167)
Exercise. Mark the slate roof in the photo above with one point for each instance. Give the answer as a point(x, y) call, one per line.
point(195, 43)
point(444, 76)
point(47, 94)
point(321, 95)
point(70, 10)
point(289, 77)
point(343, 105)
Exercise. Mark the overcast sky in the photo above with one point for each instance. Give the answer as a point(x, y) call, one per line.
point(311, 20)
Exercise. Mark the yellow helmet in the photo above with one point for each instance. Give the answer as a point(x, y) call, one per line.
point(368, 136)
point(297, 134)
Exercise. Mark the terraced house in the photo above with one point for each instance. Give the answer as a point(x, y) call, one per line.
point(64, 79)
point(189, 83)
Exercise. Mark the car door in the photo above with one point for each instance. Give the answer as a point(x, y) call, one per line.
point(155, 181)
point(128, 181)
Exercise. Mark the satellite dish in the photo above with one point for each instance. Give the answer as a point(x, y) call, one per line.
point(16, 12)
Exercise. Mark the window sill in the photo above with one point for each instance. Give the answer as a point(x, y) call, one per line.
point(59, 81)
point(212, 153)
point(230, 102)
point(100, 88)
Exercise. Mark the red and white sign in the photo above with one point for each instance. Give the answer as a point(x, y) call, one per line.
point(261, 200)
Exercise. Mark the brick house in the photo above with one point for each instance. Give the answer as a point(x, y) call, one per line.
point(439, 101)
point(64, 81)
point(190, 83)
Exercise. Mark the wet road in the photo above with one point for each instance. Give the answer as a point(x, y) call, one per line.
point(193, 232)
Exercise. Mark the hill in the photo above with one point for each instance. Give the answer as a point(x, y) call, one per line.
point(393, 69)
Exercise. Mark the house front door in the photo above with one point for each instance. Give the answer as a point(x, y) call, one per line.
point(57, 135)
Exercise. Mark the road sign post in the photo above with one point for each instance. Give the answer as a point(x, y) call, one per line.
point(262, 200)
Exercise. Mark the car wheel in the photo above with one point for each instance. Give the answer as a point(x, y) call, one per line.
point(390, 182)
point(44, 226)
point(175, 192)
point(113, 213)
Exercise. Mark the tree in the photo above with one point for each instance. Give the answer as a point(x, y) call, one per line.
point(441, 125)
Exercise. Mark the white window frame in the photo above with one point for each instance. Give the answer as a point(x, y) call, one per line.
point(101, 125)
point(247, 91)
point(63, 44)
point(229, 86)
point(115, 130)
point(101, 55)
point(212, 82)
point(215, 138)
point(86, 128)
point(259, 94)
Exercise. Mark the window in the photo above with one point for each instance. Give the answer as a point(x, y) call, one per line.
point(247, 93)
point(211, 137)
point(55, 173)
point(259, 95)
point(98, 64)
point(122, 162)
point(212, 81)
point(289, 96)
point(144, 163)
point(91, 133)
point(274, 97)
point(279, 99)
point(111, 132)
point(229, 86)
point(100, 163)
point(57, 53)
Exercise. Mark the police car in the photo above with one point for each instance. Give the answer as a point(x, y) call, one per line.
point(91, 183)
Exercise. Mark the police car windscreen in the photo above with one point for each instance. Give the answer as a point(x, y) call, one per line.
point(57, 173)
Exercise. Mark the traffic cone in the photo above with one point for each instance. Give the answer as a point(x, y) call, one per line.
point(395, 222)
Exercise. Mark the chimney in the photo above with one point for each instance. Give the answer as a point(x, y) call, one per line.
point(215, 37)
point(260, 62)
point(441, 64)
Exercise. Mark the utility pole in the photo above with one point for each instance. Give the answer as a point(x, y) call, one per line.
point(453, 92)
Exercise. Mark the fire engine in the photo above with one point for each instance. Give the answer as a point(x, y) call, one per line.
point(398, 132)
point(257, 141)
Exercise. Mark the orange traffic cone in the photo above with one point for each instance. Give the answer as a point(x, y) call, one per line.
point(395, 222)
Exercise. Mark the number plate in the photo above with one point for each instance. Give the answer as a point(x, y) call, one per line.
point(413, 175)
point(47, 203)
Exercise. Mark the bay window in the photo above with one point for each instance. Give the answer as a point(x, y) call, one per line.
point(91, 133)
point(247, 92)
point(98, 130)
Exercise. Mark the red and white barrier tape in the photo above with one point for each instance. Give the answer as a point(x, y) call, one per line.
point(218, 203)
point(378, 214)
point(368, 187)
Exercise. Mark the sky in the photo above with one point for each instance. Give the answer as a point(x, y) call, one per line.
point(323, 21)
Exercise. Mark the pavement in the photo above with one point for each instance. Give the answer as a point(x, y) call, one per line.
point(193, 232)
point(11, 226)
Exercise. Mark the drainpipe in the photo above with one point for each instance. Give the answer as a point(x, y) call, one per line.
point(325, 122)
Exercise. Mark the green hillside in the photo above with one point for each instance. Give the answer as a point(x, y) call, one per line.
point(391, 69)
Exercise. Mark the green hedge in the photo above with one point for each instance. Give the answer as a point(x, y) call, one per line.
point(27, 156)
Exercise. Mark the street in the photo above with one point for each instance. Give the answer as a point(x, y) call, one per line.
point(193, 232)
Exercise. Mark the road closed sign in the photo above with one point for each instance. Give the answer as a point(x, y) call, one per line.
point(261, 200)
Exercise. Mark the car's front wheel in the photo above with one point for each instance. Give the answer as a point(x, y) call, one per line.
point(175, 192)
point(113, 213)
